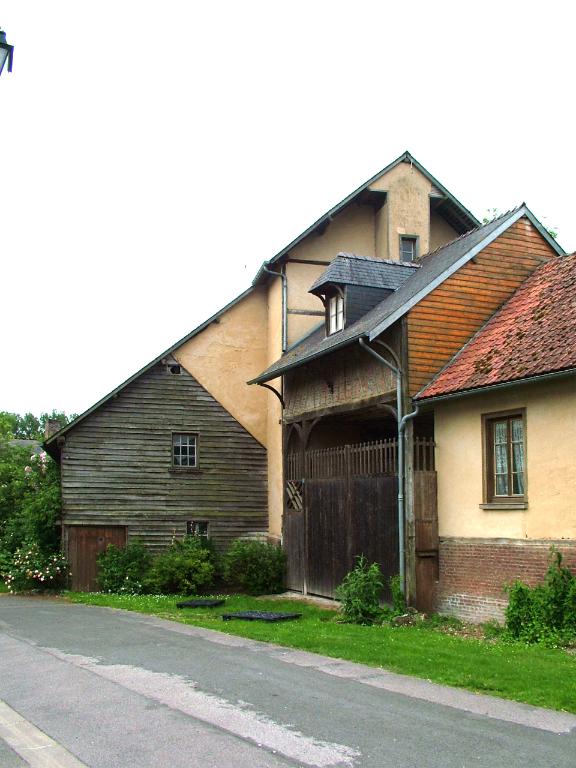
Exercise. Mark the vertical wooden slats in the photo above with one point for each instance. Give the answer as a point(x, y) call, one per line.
point(375, 458)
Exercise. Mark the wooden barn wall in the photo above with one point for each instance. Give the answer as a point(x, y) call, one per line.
point(117, 465)
point(449, 316)
point(346, 377)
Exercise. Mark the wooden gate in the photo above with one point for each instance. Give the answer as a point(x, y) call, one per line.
point(340, 503)
point(83, 544)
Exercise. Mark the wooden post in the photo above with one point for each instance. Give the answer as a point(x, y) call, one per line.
point(409, 511)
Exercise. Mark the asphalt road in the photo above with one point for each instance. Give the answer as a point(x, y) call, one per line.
point(84, 686)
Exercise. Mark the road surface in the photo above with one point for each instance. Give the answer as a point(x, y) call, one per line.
point(85, 686)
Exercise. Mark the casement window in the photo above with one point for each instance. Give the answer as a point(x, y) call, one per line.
point(505, 458)
point(184, 450)
point(197, 528)
point(408, 248)
point(335, 313)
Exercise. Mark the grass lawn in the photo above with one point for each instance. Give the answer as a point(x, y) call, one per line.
point(530, 674)
point(3, 587)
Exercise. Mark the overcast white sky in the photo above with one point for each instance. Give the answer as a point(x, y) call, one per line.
point(153, 154)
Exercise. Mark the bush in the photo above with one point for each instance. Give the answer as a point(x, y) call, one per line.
point(360, 592)
point(187, 567)
point(33, 569)
point(124, 570)
point(545, 613)
point(255, 566)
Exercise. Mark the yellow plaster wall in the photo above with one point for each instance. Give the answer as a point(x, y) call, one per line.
point(226, 354)
point(440, 232)
point(408, 206)
point(352, 230)
point(274, 411)
point(550, 451)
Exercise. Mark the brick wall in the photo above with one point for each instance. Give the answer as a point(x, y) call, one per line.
point(474, 571)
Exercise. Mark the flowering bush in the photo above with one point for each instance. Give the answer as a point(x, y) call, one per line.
point(29, 501)
point(33, 569)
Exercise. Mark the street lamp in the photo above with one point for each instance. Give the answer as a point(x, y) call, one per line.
point(6, 52)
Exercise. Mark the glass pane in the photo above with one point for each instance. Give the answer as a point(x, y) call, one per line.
point(501, 485)
point(517, 431)
point(518, 484)
point(518, 457)
point(500, 432)
point(501, 459)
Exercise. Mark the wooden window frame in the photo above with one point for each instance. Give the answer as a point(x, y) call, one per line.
point(185, 468)
point(337, 296)
point(416, 248)
point(491, 500)
point(190, 528)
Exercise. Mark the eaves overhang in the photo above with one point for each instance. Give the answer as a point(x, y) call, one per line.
point(281, 370)
point(466, 217)
point(424, 401)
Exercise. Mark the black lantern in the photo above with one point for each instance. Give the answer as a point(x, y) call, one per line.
point(6, 52)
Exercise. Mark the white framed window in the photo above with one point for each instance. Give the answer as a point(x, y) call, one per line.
point(184, 450)
point(335, 313)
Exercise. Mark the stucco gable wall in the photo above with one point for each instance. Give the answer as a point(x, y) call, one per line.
point(550, 450)
point(229, 352)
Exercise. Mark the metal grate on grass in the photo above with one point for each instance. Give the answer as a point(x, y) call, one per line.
point(199, 603)
point(261, 616)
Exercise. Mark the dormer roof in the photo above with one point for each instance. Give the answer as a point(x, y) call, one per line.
point(366, 271)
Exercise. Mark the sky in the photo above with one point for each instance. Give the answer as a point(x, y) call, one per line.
point(154, 154)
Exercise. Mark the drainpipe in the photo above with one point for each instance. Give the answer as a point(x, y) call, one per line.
point(402, 421)
point(282, 274)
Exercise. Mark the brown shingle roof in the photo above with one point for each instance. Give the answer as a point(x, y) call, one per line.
point(533, 334)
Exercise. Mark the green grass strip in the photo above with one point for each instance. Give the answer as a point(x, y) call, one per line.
point(530, 674)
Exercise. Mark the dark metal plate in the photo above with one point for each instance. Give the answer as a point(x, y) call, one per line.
point(261, 616)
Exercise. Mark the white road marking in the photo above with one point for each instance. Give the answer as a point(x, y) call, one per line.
point(181, 694)
point(31, 744)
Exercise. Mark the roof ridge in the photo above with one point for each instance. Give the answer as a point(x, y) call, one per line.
point(360, 257)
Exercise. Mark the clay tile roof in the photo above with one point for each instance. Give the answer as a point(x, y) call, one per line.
point(533, 334)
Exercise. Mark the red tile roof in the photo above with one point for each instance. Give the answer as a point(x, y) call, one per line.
point(532, 334)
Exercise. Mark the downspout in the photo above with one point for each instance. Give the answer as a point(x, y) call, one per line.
point(402, 421)
point(282, 274)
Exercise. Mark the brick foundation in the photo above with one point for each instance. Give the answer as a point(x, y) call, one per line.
point(473, 573)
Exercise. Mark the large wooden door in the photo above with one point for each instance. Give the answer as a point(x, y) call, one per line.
point(84, 544)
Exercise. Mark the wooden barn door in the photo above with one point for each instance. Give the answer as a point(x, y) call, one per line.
point(343, 505)
point(84, 544)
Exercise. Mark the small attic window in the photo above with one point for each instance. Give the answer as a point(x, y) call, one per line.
point(408, 248)
point(175, 370)
point(335, 314)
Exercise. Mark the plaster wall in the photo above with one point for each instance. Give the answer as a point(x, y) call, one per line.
point(440, 232)
point(550, 450)
point(408, 205)
point(274, 411)
point(229, 352)
point(352, 230)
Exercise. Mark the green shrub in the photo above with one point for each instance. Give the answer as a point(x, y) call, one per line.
point(545, 613)
point(124, 570)
point(360, 592)
point(31, 568)
point(186, 567)
point(255, 566)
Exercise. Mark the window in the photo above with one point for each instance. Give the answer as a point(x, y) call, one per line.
point(175, 370)
point(335, 313)
point(184, 450)
point(408, 248)
point(505, 457)
point(197, 528)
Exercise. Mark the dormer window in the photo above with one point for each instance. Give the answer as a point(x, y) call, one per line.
point(335, 313)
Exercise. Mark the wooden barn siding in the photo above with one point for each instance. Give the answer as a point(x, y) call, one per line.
point(448, 317)
point(117, 465)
